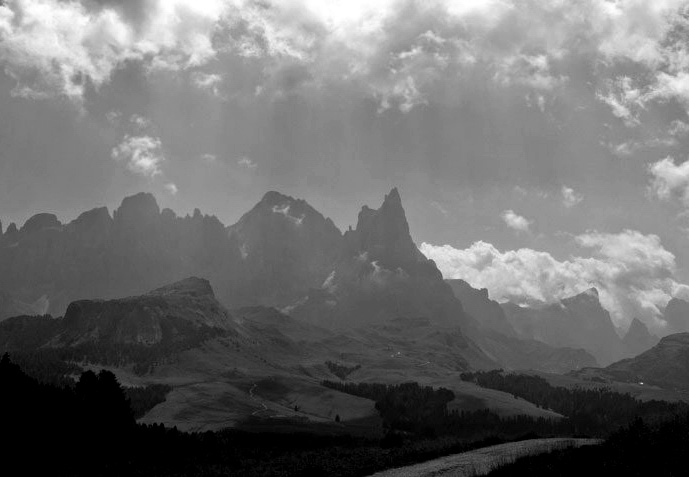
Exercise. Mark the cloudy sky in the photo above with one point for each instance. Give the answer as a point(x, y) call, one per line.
point(540, 146)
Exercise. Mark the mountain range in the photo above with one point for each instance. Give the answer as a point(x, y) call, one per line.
point(283, 299)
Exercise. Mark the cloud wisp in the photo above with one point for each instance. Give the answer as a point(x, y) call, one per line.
point(516, 221)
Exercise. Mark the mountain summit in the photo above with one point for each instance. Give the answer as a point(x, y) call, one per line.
point(384, 235)
point(380, 276)
point(287, 247)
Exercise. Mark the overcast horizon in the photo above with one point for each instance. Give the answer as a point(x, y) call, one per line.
point(540, 147)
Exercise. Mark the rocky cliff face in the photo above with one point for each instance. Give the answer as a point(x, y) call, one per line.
point(164, 316)
point(487, 313)
point(381, 275)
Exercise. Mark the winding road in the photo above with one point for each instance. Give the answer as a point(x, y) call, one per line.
point(481, 461)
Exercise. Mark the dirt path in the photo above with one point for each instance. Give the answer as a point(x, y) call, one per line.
point(481, 461)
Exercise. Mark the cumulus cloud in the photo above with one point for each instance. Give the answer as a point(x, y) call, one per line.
point(54, 47)
point(171, 188)
point(634, 273)
point(624, 100)
point(515, 221)
point(139, 122)
point(143, 155)
point(207, 81)
point(670, 180)
point(570, 198)
point(405, 53)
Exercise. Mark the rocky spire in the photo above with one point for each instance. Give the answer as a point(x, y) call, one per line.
point(384, 234)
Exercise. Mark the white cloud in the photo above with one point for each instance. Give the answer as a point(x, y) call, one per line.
point(171, 188)
point(139, 122)
point(51, 47)
point(209, 158)
point(670, 180)
point(403, 52)
point(624, 100)
point(515, 221)
point(247, 162)
point(633, 272)
point(285, 211)
point(570, 198)
point(142, 154)
point(207, 81)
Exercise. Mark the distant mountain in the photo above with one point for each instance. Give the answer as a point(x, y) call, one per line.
point(638, 339)
point(164, 316)
point(527, 354)
point(11, 306)
point(577, 322)
point(381, 275)
point(498, 339)
point(665, 365)
point(287, 248)
point(98, 256)
point(487, 313)
point(175, 316)
point(676, 315)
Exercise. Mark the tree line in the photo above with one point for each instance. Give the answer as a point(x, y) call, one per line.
point(598, 411)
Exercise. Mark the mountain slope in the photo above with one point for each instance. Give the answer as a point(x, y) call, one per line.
point(486, 312)
point(665, 365)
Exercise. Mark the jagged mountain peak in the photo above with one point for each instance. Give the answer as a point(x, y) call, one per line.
point(93, 218)
point(11, 230)
point(638, 339)
point(136, 207)
point(384, 234)
point(273, 197)
point(589, 296)
point(636, 327)
point(40, 222)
